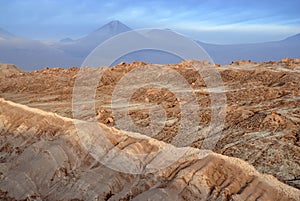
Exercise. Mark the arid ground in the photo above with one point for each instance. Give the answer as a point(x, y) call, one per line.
point(256, 158)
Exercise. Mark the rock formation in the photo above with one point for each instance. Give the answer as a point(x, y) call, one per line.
point(42, 158)
point(7, 69)
point(261, 127)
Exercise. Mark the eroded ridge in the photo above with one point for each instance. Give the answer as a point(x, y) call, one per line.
point(262, 107)
point(42, 158)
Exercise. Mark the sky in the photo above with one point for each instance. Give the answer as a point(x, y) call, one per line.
point(212, 21)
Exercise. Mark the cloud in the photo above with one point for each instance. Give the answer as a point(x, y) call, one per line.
point(190, 15)
point(241, 27)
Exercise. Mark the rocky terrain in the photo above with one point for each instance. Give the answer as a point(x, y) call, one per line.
point(7, 69)
point(261, 127)
point(42, 159)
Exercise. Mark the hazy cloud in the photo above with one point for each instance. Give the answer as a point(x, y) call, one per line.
point(70, 16)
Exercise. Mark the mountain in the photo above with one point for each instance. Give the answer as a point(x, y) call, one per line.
point(105, 32)
point(83, 46)
point(5, 34)
point(6, 69)
point(294, 38)
point(221, 54)
point(161, 47)
point(66, 40)
point(276, 50)
point(33, 54)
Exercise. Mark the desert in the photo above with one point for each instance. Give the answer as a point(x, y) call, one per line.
point(149, 100)
point(256, 158)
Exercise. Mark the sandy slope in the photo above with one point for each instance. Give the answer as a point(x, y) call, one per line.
point(42, 157)
point(262, 108)
point(7, 69)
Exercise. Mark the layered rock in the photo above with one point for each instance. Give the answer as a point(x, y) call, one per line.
point(8, 69)
point(262, 107)
point(43, 157)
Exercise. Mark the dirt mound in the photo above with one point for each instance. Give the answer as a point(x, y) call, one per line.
point(43, 157)
point(8, 69)
point(262, 107)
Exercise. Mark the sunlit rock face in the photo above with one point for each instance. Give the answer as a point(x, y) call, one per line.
point(42, 158)
point(43, 154)
point(8, 69)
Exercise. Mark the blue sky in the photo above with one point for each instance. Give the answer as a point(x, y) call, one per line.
point(214, 21)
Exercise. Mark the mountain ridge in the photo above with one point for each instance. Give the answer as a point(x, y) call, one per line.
point(75, 51)
point(293, 37)
point(5, 34)
point(81, 47)
point(113, 24)
point(59, 139)
point(112, 28)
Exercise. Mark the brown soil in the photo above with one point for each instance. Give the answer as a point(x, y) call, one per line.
point(8, 69)
point(42, 158)
point(262, 119)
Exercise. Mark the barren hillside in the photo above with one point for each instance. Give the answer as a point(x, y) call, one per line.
point(42, 158)
point(7, 69)
point(261, 123)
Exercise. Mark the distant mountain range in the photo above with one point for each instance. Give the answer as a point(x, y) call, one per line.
point(276, 50)
point(5, 35)
point(32, 54)
point(81, 47)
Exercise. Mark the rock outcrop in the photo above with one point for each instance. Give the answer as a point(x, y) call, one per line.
point(262, 107)
point(8, 69)
point(42, 158)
